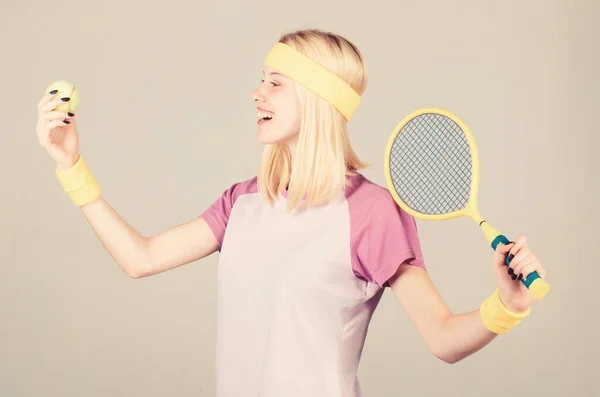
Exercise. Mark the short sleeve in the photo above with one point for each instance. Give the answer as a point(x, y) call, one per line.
point(217, 215)
point(384, 236)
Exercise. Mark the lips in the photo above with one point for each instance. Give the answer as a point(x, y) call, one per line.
point(264, 115)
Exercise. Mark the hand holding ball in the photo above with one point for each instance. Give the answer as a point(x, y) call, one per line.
point(59, 137)
point(65, 90)
point(56, 127)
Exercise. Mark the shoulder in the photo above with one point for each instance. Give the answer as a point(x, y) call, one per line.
point(247, 186)
point(383, 235)
point(233, 192)
point(364, 195)
point(217, 215)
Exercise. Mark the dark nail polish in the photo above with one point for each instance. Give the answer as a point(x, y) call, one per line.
point(66, 122)
point(65, 99)
point(71, 114)
point(520, 276)
point(510, 257)
point(510, 270)
point(514, 276)
point(53, 92)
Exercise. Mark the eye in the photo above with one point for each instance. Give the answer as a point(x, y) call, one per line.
point(273, 84)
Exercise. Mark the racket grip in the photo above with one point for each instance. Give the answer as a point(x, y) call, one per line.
point(536, 285)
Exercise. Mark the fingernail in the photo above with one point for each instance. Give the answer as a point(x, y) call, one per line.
point(510, 270)
point(65, 99)
point(514, 276)
point(510, 257)
point(520, 276)
point(66, 122)
point(71, 114)
point(53, 92)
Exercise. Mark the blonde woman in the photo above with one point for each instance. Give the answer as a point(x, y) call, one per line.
point(308, 246)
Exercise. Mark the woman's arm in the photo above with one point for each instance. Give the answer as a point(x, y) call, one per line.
point(140, 256)
point(450, 337)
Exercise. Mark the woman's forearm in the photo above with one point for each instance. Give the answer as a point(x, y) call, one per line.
point(462, 335)
point(453, 337)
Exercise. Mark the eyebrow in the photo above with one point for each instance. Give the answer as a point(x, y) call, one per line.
point(274, 74)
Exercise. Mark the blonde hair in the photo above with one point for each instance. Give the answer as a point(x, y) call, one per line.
point(324, 156)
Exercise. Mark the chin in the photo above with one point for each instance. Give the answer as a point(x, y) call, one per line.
point(266, 138)
point(269, 137)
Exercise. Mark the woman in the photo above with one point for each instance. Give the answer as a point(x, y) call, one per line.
point(308, 246)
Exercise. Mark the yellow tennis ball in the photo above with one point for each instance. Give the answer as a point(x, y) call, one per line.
point(65, 90)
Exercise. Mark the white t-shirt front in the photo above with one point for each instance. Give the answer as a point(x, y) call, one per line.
point(296, 291)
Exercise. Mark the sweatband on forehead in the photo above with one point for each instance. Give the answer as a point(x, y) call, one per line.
point(315, 77)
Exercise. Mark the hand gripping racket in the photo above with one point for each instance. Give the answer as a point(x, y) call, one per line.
point(432, 172)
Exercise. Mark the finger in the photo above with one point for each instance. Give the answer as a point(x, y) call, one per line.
point(522, 259)
point(516, 259)
point(51, 105)
point(57, 123)
point(530, 268)
point(530, 265)
point(501, 253)
point(541, 271)
point(53, 115)
point(52, 120)
point(46, 97)
point(520, 243)
point(45, 134)
point(502, 250)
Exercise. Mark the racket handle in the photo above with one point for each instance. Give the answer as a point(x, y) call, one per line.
point(536, 285)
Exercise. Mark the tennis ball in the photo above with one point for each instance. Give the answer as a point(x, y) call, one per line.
point(65, 90)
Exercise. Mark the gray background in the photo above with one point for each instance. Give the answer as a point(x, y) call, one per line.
point(166, 124)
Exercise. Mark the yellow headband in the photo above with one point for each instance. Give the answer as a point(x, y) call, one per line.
point(315, 77)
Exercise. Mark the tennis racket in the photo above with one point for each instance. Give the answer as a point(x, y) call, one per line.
point(432, 172)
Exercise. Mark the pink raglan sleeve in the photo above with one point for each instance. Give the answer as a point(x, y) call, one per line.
point(383, 237)
point(217, 215)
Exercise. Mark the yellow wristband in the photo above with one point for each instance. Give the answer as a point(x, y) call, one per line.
point(79, 183)
point(496, 317)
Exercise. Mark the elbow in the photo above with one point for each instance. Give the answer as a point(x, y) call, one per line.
point(446, 356)
point(136, 272)
point(448, 359)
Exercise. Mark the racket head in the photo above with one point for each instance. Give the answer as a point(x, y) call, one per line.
point(432, 166)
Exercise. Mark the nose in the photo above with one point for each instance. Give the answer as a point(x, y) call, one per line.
point(257, 95)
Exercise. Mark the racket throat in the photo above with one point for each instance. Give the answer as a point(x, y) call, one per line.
point(492, 235)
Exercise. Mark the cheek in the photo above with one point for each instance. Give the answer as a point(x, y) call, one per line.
point(290, 114)
point(289, 123)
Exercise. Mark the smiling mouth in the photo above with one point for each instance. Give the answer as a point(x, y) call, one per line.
point(264, 116)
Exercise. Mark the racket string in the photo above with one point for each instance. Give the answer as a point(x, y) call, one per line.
point(430, 163)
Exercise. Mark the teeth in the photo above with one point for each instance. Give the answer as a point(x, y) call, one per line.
point(262, 115)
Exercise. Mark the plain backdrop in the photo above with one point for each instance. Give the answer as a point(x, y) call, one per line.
point(167, 123)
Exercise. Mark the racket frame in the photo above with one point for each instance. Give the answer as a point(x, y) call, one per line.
point(537, 286)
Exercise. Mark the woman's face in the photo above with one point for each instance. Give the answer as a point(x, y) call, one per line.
point(279, 110)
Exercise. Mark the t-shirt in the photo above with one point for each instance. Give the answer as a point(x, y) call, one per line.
point(296, 291)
